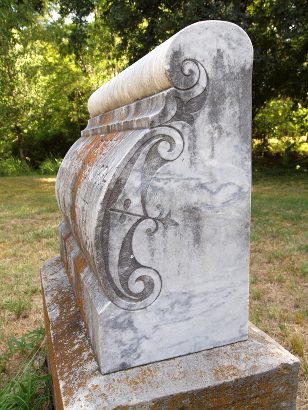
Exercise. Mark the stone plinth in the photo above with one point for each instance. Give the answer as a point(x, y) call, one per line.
point(254, 374)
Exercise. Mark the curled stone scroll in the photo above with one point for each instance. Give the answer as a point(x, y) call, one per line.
point(135, 286)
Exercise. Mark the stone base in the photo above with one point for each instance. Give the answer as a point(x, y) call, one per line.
point(255, 374)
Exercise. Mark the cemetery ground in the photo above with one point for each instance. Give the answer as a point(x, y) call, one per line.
point(29, 218)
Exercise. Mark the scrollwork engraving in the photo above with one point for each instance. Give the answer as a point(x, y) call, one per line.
point(131, 285)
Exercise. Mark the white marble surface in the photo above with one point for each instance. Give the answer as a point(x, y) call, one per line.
point(157, 197)
point(142, 79)
point(153, 73)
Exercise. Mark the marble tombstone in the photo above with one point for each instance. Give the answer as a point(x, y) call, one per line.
point(155, 197)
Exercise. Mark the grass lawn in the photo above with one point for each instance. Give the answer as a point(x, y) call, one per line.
point(28, 236)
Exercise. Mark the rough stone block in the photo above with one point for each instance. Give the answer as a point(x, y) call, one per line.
point(256, 374)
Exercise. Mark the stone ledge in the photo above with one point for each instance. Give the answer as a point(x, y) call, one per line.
point(255, 374)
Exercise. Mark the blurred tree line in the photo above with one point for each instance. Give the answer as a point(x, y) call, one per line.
point(53, 54)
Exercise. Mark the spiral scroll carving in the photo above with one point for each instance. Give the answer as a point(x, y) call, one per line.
point(190, 73)
point(132, 285)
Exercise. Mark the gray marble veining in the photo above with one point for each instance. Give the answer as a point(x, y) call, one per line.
point(156, 201)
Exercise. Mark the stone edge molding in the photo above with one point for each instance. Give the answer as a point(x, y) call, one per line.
point(148, 76)
point(155, 72)
point(258, 373)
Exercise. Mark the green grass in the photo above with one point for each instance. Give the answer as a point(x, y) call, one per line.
point(29, 387)
point(29, 218)
point(28, 392)
point(17, 306)
point(279, 264)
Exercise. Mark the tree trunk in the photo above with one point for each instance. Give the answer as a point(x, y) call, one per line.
point(21, 144)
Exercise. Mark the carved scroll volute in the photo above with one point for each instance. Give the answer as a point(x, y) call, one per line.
point(110, 204)
point(129, 283)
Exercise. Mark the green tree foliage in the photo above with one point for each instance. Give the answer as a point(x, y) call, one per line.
point(43, 105)
point(49, 66)
point(281, 129)
point(278, 30)
point(43, 91)
point(143, 24)
point(53, 54)
point(17, 19)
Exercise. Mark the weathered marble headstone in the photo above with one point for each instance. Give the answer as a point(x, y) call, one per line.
point(155, 197)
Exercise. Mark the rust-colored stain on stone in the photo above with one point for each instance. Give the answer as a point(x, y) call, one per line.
point(65, 349)
point(107, 118)
point(57, 395)
point(79, 266)
point(144, 376)
point(85, 157)
point(93, 149)
point(226, 372)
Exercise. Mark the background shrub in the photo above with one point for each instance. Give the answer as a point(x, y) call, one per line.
point(50, 166)
point(13, 167)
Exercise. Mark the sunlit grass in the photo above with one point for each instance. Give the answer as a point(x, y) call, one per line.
point(29, 218)
point(279, 264)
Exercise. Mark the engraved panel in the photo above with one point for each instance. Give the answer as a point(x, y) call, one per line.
point(131, 285)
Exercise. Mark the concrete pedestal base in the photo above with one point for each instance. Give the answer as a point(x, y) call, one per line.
point(255, 374)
